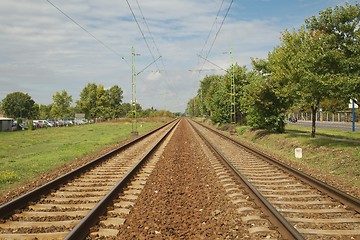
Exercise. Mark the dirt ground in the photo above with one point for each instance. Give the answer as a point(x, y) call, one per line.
point(184, 197)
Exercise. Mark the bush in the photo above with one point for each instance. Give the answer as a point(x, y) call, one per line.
point(30, 125)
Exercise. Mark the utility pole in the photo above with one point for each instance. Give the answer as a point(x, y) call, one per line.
point(233, 100)
point(134, 131)
point(232, 90)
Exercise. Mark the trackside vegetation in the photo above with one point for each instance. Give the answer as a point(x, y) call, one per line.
point(27, 155)
point(333, 153)
point(315, 67)
point(96, 103)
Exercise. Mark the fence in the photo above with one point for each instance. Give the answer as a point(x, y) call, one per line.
point(344, 116)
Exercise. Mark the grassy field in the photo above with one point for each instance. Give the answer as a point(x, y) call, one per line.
point(26, 155)
point(332, 152)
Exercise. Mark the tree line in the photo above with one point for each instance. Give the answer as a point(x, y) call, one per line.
point(95, 102)
point(315, 66)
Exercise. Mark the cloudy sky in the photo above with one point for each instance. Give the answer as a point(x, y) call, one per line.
point(47, 46)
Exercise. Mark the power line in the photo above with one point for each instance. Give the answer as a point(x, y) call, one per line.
point(142, 33)
point(151, 36)
point(156, 47)
point(219, 28)
point(217, 15)
point(99, 41)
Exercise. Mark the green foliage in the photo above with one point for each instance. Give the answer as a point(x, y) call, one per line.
point(18, 105)
point(44, 111)
point(61, 107)
point(340, 26)
point(317, 64)
point(320, 61)
point(214, 96)
point(30, 125)
point(193, 108)
point(95, 101)
point(266, 103)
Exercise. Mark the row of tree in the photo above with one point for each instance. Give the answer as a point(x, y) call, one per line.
point(316, 65)
point(95, 101)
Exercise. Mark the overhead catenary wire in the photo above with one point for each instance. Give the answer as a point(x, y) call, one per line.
point(142, 33)
point(85, 30)
point(217, 33)
point(147, 44)
point(148, 29)
point(212, 27)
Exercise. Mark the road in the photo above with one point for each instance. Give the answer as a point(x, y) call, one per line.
point(344, 126)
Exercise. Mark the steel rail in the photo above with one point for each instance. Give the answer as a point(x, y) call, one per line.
point(20, 202)
point(350, 201)
point(81, 230)
point(286, 229)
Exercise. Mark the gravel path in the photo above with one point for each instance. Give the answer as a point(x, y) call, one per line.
point(183, 198)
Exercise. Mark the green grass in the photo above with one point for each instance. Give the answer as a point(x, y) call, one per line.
point(26, 155)
point(324, 132)
point(333, 152)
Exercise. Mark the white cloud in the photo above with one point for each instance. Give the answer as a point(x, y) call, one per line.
point(42, 51)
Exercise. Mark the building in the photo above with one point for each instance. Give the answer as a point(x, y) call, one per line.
point(6, 124)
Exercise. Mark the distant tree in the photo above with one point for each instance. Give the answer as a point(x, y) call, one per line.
point(125, 109)
point(193, 107)
point(61, 105)
point(88, 101)
point(206, 92)
point(131, 112)
point(44, 111)
point(114, 97)
point(18, 105)
point(160, 113)
point(240, 80)
point(36, 111)
point(96, 101)
point(215, 91)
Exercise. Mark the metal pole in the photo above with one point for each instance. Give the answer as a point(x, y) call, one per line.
point(233, 100)
point(133, 99)
point(353, 115)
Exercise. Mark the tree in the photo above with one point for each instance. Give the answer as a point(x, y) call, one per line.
point(265, 103)
point(205, 93)
point(240, 80)
point(44, 111)
point(214, 96)
point(131, 111)
point(61, 106)
point(193, 107)
point(342, 23)
point(18, 105)
point(114, 97)
point(321, 60)
point(306, 64)
point(125, 108)
point(95, 101)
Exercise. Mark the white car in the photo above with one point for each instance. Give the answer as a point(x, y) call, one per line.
point(42, 123)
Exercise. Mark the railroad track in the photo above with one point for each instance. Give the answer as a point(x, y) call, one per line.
point(67, 207)
point(302, 207)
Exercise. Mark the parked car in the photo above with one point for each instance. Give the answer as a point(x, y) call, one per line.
point(42, 124)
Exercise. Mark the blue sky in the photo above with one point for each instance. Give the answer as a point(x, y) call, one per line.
point(43, 52)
